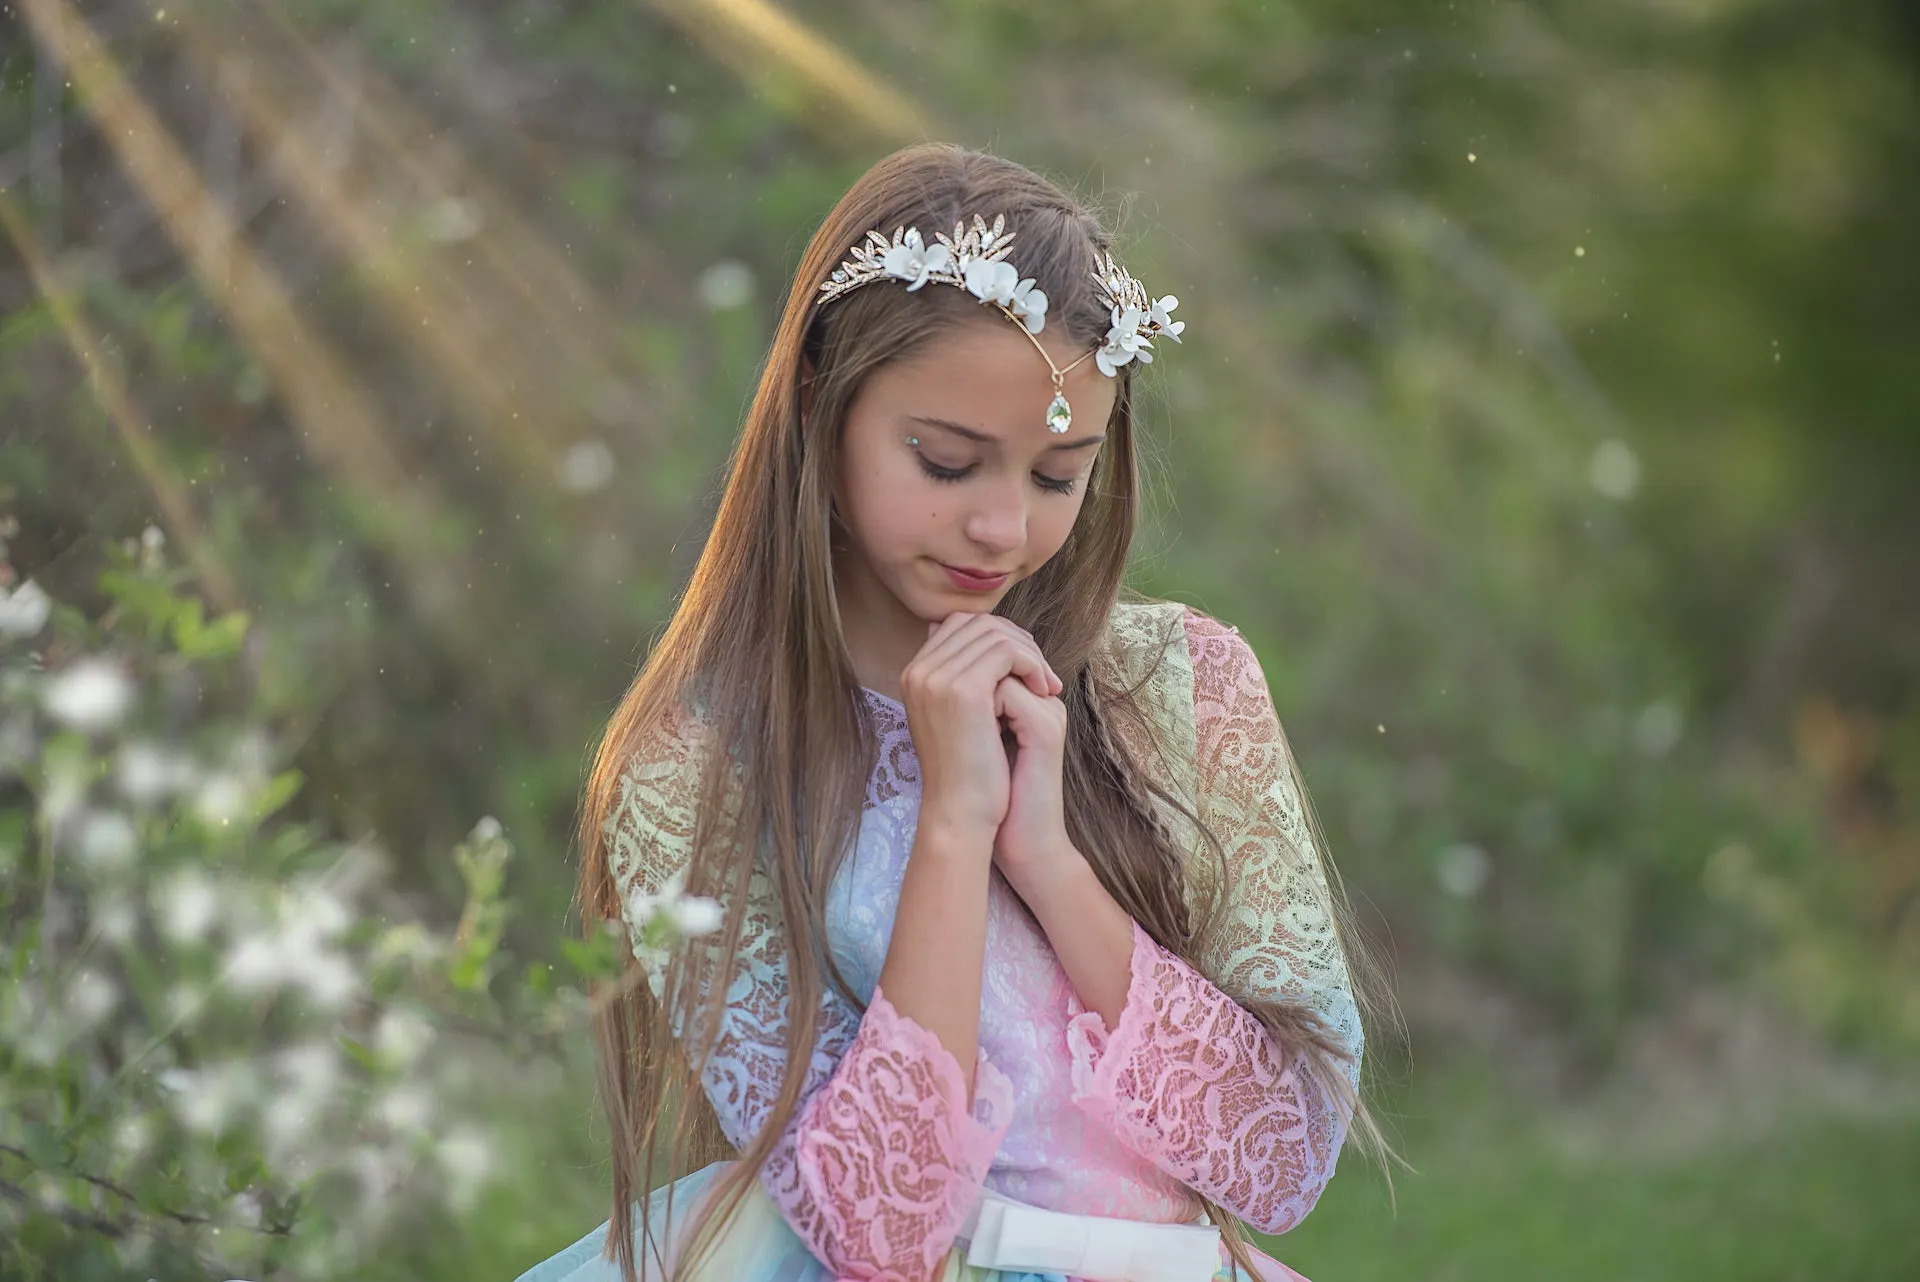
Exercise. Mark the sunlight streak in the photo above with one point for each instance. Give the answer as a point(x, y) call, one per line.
point(337, 422)
point(755, 36)
point(111, 392)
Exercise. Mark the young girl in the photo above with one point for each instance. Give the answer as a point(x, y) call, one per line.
point(1029, 967)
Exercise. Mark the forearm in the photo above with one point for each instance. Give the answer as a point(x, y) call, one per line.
point(1090, 932)
point(934, 959)
point(1196, 1084)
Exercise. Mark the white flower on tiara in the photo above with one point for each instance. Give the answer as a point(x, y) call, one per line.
point(991, 282)
point(1125, 342)
point(1161, 316)
point(974, 257)
point(914, 261)
point(1030, 305)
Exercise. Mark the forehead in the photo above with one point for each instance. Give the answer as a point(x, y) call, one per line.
point(986, 375)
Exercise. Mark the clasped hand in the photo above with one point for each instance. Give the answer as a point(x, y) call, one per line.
point(979, 681)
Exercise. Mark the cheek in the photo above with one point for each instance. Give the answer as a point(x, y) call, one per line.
point(890, 513)
point(1052, 522)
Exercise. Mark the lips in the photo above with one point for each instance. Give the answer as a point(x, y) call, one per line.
point(970, 579)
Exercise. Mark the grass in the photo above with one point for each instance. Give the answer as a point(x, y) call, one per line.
point(1493, 1197)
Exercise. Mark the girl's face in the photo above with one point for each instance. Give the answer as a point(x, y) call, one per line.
point(988, 491)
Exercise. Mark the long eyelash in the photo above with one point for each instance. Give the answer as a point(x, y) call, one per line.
point(941, 473)
point(946, 474)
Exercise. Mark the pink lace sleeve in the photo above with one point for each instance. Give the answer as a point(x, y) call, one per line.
point(1196, 1085)
point(1190, 1079)
point(888, 1154)
point(885, 1156)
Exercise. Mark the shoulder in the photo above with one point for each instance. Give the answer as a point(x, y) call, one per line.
point(1211, 653)
point(1226, 671)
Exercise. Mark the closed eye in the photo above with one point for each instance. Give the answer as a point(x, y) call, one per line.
point(1054, 485)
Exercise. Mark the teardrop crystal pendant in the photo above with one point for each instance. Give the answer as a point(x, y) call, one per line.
point(1059, 414)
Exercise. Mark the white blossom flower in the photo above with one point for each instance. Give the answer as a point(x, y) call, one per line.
point(133, 1135)
point(115, 919)
point(91, 695)
point(184, 1001)
point(1030, 305)
point(287, 1120)
point(642, 906)
point(211, 1098)
point(402, 1035)
point(696, 915)
point(148, 772)
point(311, 911)
point(256, 962)
point(24, 610)
point(329, 979)
point(291, 952)
point(222, 797)
point(153, 542)
point(407, 1108)
point(107, 840)
point(915, 261)
point(311, 1070)
point(992, 282)
point(91, 997)
point(187, 904)
point(378, 1170)
point(467, 1160)
point(488, 829)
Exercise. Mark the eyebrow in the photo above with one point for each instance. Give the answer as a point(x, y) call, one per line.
point(973, 434)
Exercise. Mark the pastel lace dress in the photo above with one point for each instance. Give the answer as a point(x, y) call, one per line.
point(887, 1155)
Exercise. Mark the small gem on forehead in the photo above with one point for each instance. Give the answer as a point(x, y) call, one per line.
point(1059, 414)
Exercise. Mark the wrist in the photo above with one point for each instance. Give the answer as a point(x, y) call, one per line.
point(1060, 877)
point(949, 834)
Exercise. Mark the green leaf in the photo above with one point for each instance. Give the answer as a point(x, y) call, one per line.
point(360, 1053)
point(215, 640)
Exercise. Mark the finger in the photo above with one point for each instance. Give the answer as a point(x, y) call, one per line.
point(1020, 656)
point(1054, 678)
point(1054, 682)
point(962, 630)
point(949, 636)
point(1026, 713)
point(999, 654)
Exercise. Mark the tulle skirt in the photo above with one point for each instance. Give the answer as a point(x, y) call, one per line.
point(757, 1245)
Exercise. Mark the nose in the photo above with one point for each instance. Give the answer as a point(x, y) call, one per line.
point(997, 523)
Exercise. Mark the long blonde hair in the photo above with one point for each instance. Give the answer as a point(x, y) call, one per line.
point(756, 642)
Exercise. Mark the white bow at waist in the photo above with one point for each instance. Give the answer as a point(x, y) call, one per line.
point(1005, 1234)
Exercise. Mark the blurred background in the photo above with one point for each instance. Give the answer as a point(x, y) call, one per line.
point(367, 371)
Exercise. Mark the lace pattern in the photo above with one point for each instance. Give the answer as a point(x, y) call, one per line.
point(1196, 1083)
point(885, 1157)
point(1276, 939)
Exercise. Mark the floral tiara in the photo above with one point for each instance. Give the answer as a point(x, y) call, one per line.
point(974, 259)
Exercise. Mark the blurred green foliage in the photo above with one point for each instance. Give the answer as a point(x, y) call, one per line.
point(1548, 425)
